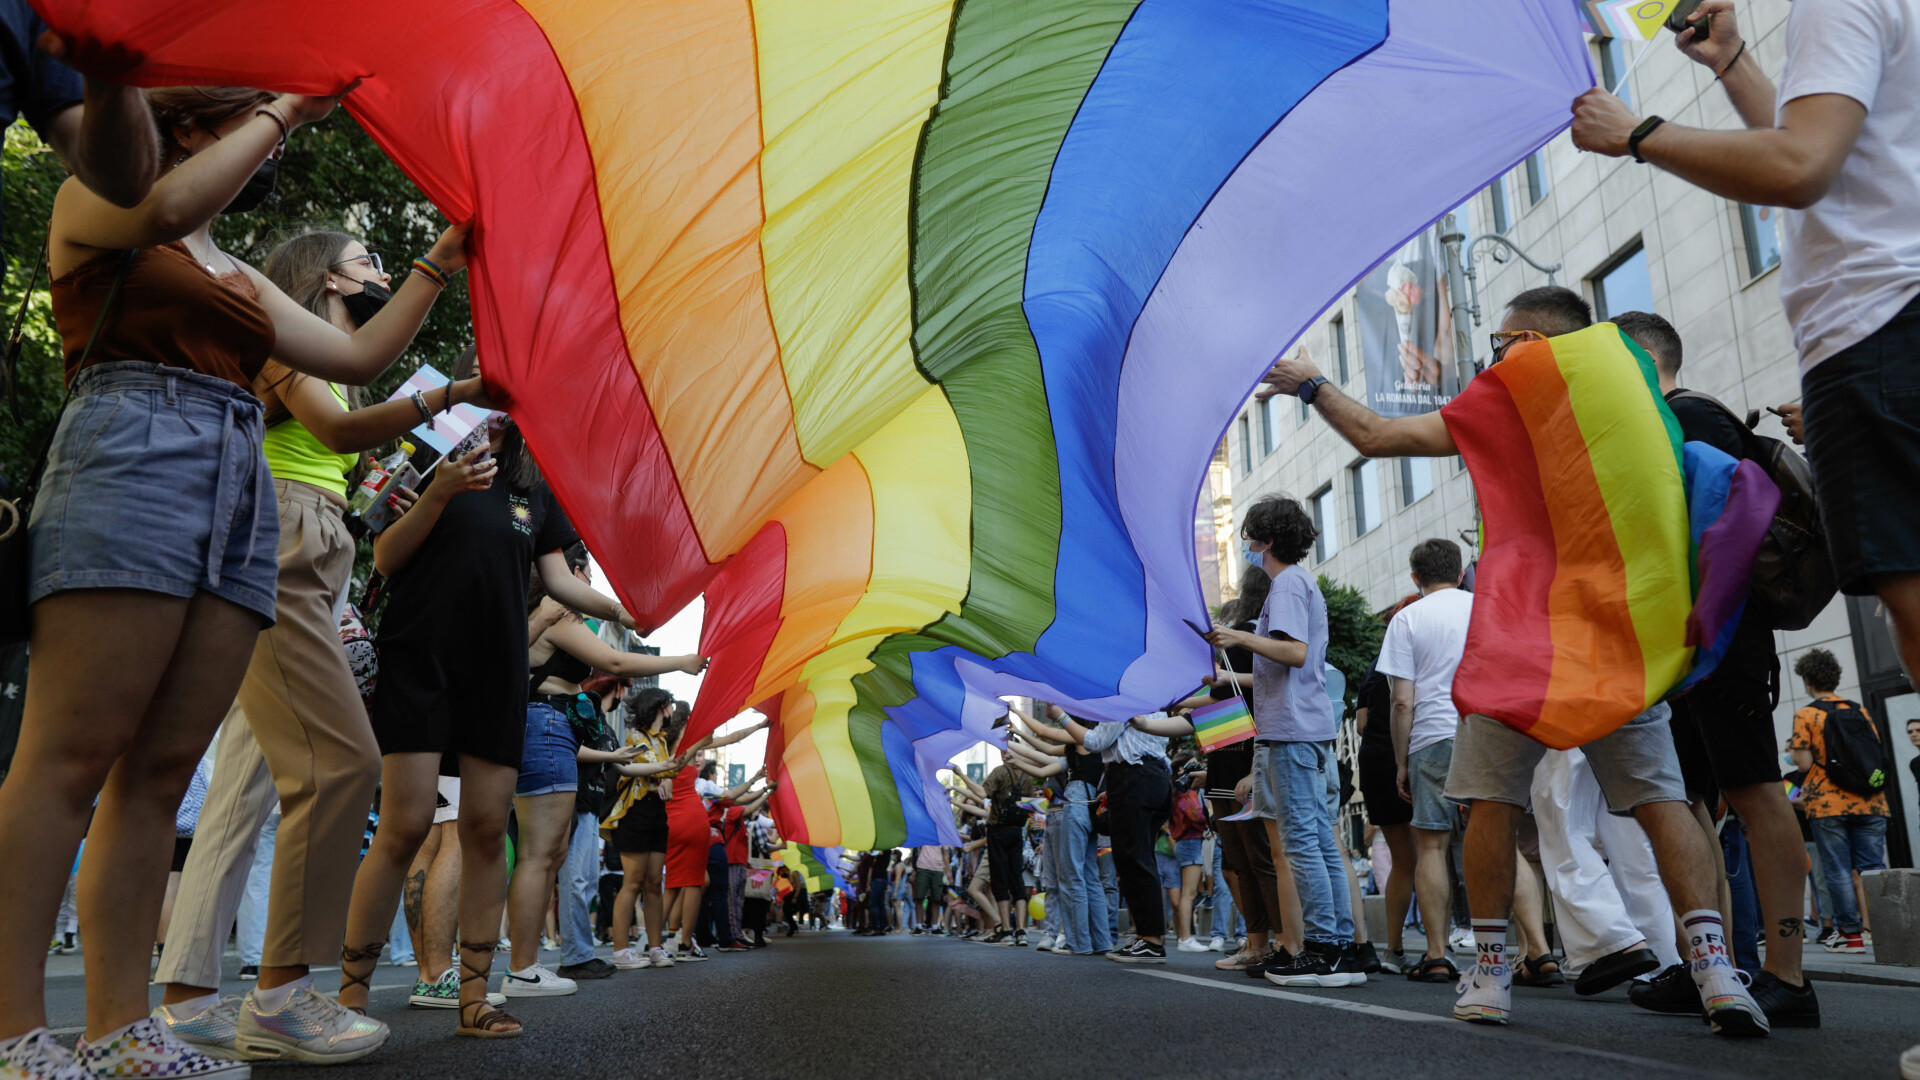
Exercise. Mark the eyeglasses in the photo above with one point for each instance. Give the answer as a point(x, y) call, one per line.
point(1501, 339)
point(371, 260)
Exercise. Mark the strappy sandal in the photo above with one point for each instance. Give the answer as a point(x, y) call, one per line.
point(1434, 969)
point(354, 956)
point(488, 1022)
point(1529, 972)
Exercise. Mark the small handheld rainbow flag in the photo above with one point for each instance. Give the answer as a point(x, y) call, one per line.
point(1222, 723)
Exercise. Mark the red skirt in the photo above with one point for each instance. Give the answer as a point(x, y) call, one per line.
point(688, 834)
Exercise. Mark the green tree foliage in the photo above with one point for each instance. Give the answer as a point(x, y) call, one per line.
point(332, 177)
point(1353, 634)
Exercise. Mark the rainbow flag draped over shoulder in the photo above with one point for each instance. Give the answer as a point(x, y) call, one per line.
point(1584, 611)
point(902, 329)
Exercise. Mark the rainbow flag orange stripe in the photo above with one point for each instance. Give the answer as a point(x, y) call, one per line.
point(1585, 576)
point(1222, 723)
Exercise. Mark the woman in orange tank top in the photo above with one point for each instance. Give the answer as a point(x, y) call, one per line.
point(153, 549)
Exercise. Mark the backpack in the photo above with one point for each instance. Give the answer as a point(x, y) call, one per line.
point(1853, 758)
point(1188, 814)
point(1793, 576)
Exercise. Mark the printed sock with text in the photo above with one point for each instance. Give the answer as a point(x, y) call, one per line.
point(1490, 935)
point(1706, 943)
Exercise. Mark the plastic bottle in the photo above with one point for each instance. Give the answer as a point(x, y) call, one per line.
point(376, 478)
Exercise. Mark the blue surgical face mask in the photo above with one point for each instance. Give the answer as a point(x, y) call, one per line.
point(1255, 559)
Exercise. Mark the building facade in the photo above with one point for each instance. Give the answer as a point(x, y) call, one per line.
point(1628, 236)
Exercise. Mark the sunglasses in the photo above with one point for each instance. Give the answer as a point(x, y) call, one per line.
point(370, 260)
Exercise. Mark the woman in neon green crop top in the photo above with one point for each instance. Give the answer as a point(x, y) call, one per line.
point(299, 708)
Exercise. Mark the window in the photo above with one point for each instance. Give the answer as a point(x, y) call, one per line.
point(1246, 445)
point(1416, 479)
point(1337, 330)
point(1325, 520)
point(1366, 496)
point(1536, 177)
point(1623, 286)
point(1502, 217)
point(1613, 61)
point(1267, 441)
point(1763, 242)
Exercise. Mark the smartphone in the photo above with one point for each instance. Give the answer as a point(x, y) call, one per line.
point(476, 438)
point(1677, 20)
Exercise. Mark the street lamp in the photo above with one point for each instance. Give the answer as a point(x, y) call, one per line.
point(1466, 300)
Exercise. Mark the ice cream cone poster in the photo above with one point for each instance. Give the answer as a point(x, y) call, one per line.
point(1406, 340)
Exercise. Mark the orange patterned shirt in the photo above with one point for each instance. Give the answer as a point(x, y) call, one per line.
point(1824, 798)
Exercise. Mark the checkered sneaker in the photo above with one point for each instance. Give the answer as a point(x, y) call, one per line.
point(35, 1056)
point(146, 1048)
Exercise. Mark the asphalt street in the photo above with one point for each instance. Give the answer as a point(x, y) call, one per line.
point(826, 1005)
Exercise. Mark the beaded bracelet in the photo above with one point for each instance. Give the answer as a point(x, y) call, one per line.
point(273, 114)
point(425, 268)
point(420, 402)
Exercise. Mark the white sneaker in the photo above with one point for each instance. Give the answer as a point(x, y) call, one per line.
point(1218, 944)
point(1461, 941)
point(210, 1031)
point(1485, 994)
point(661, 958)
point(1060, 948)
point(1045, 943)
point(536, 981)
point(1190, 945)
point(35, 1056)
point(146, 1048)
point(1910, 1063)
point(629, 960)
point(311, 1027)
point(1730, 1009)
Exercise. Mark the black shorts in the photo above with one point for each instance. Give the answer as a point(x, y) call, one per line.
point(1004, 862)
point(421, 705)
point(643, 828)
point(1380, 786)
point(1863, 440)
point(181, 845)
point(1723, 730)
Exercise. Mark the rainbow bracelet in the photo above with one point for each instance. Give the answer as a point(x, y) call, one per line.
point(432, 273)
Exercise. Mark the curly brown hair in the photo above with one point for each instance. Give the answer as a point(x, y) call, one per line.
point(1820, 669)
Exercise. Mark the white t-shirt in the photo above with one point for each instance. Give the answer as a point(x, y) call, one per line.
point(1851, 261)
point(1424, 643)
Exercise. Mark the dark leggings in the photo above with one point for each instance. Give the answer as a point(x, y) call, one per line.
point(1137, 797)
point(1243, 847)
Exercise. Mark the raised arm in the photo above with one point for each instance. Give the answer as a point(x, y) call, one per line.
point(1282, 650)
point(734, 794)
point(1168, 726)
point(576, 594)
point(1370, 433)
point(347, 431)
point(1039, 770)
point(713, 743)
point(573, 638)
point(396, 546)
point(109, 143)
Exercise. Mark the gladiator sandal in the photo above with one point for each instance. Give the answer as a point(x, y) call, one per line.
point(368, 954)
point(488, 1022)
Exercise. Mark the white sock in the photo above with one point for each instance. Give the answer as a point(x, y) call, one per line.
point(274, 999)
point(1490, 935)
point(1706, 944)
point(194, 1006)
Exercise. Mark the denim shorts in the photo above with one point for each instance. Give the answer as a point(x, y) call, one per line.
point(550, 762)
point(155, 481)
point(1427, 780)
point(1188, 852)
point(1168, 867)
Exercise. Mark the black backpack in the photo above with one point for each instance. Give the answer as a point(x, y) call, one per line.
point(597, 779)
point(1853, 759)
point(1793, 577)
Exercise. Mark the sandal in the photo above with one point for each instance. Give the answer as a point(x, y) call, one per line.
point(488, 1022)
point(1434, 969)
point(354, 956)
point(1531, 972)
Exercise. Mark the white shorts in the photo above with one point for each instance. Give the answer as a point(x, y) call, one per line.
point(448, 808)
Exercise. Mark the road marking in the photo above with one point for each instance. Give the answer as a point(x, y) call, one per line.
point(1482, 1030)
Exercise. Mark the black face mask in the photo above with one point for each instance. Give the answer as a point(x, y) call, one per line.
point(258, 187)
point(366, 303)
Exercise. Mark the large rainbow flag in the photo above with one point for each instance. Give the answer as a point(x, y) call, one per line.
point(1599, 530)
point(904, 329)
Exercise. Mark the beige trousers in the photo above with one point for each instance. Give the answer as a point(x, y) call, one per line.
point(310, 728)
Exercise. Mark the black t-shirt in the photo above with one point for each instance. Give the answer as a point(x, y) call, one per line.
point(1751, 656)
point(32, 83)
point(1227, 766)
point(1086, 768)
point(1376, 696)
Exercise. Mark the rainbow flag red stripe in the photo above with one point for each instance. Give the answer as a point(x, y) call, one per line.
point(1222, 723)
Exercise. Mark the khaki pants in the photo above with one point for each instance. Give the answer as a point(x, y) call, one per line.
point(309, 726)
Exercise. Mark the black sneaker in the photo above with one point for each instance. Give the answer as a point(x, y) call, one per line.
point(1827, 933)
point(250, 972)
point(1019, 939)
point(1140, 952)
point(1350, 964)
point(1275, 958)
point(998, 937)
point(595, 968)
point(1671, 992)
point(1786, 1005)
point(1369, 959)
point(1310, 968)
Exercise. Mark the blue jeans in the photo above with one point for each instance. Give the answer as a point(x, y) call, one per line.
point(1849, 842)
point(1745, 928)
point(1305, 785)
point(579, 884)
point(1227, 923)
point(1109, 884)
point(877, 903)
point(1081, 896)
point(251, 936)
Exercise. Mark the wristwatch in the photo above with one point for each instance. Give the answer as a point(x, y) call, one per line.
point(1310, 388)
point(1645, 129)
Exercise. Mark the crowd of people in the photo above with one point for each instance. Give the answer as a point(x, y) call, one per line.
point(485, 711)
